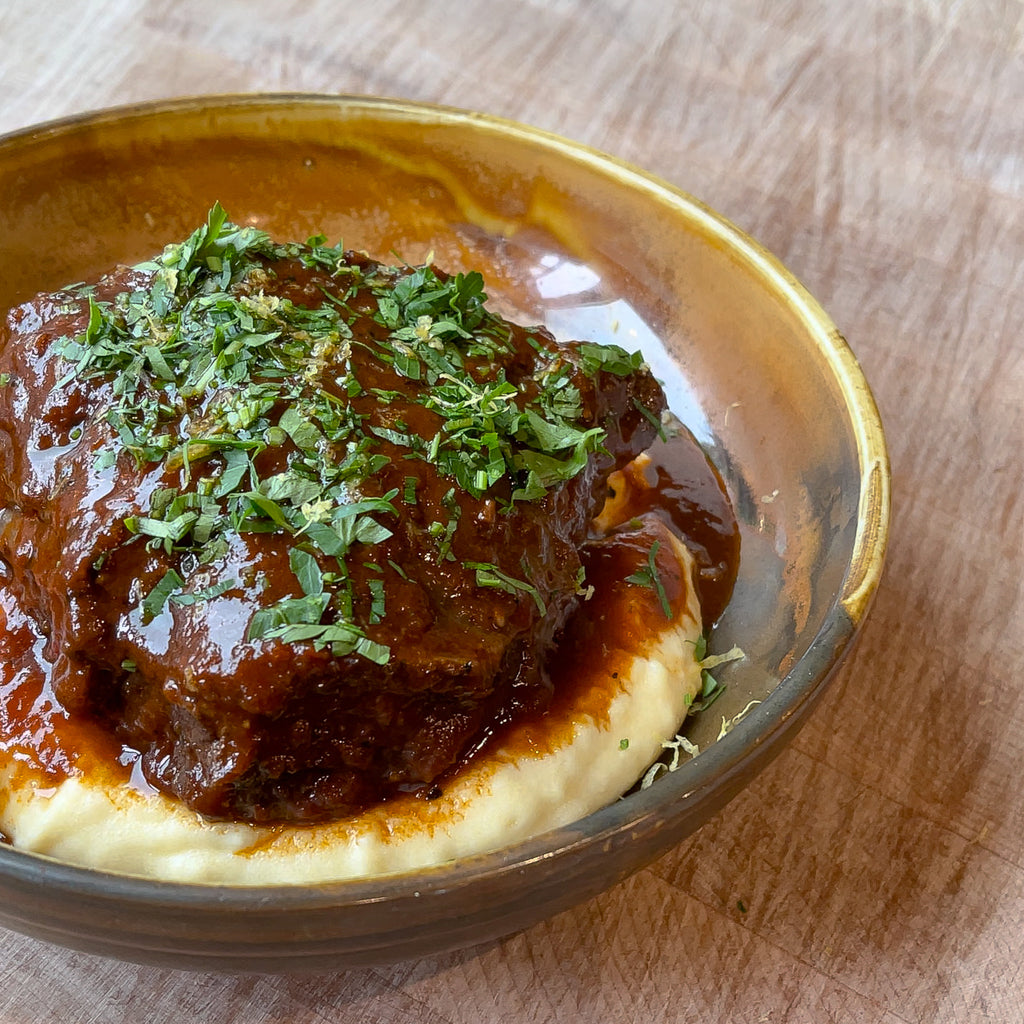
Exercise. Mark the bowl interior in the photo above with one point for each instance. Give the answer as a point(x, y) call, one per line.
point(593, 249)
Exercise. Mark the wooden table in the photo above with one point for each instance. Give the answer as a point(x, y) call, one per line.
point(876, 871)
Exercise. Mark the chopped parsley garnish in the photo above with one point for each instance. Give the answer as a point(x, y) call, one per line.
point(489, 575)
point(215, 375)
point(710, 689)
point(647, 576)
point(609, 358)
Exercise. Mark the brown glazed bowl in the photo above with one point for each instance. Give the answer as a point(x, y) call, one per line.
point(595, 249)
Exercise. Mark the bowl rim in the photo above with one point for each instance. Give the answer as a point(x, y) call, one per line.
point(792, 694)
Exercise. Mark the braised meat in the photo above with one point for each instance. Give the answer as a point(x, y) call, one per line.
point(300, 528)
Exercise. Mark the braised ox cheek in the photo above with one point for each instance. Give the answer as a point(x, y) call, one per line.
point(299, 528)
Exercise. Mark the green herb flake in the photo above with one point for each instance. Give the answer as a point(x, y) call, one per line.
point(711, 689)
point(378, 602)
point(609, 359)
point(155, 601)
point(398, 569)
point(489, 575)
point(648, 577)
point(654, 421)
point(307, 571)
point(204, 593)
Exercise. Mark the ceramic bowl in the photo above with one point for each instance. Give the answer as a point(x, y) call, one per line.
point(592, 247)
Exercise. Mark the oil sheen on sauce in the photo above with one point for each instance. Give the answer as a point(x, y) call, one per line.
point(674, 483)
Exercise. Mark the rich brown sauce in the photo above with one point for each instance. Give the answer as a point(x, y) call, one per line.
point(456, 603)
point(674, 486)
point(36, 732)
point(480, 630)
point(683, 486)
point(677, 484)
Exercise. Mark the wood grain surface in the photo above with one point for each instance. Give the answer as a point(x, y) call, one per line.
point(875, 872)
